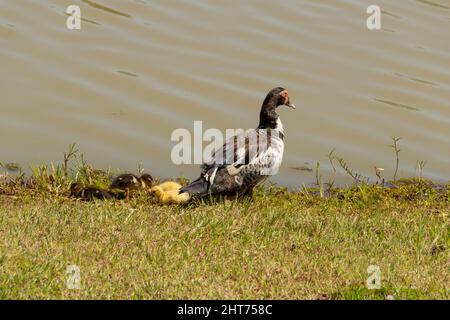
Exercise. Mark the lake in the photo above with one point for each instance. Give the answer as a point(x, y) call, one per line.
point(138, 70)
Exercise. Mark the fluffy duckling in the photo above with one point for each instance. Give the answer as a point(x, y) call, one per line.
point(77, 190)
point(170, 185)
point(169, 193)
point(129, 182)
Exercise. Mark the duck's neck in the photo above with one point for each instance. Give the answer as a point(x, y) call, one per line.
point(268, 117)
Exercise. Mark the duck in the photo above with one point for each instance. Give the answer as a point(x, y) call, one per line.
point(247, 159)
point(129, 182)
point(77, 190)
point(169, 193)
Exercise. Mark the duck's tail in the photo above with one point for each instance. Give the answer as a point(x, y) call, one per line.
point(197, 188)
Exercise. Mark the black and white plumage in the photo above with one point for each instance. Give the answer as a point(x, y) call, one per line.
point(246, 159)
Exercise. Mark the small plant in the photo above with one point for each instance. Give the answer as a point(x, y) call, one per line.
point(358, 178)
point(419, 167)
point(331, 158)
point(395, 146)
point(319, 179)
point(67, 156)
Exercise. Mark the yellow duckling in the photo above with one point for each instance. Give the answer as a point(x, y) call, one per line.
point(168, 193)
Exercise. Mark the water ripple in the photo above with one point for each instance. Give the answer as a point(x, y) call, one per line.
point(106, 9)
point(397, 104)
point(434, 4)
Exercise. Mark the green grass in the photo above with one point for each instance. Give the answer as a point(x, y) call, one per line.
point(278, 245)
point(308, 244)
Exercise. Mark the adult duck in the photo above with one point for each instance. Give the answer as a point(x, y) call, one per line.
point(247, 159)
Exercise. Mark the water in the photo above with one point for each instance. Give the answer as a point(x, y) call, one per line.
point(137, 70)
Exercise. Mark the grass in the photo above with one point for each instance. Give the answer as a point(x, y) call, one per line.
point(277, 245)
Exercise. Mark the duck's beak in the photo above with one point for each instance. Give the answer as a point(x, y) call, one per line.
point(289, 104)
point(287, 100)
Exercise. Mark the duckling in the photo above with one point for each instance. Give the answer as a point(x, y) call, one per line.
point(170, 185)
point(129, 182)
point(77, 190)
point(169, 193)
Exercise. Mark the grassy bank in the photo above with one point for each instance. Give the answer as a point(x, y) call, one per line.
point(313, 243)
point(277, 245)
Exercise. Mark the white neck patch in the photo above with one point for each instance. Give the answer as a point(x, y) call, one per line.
point(279, 126)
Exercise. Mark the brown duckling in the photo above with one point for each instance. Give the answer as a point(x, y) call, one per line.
point(77, 190)
point(169, 193)
point(129, 182)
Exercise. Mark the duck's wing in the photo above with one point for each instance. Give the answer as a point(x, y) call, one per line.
point(250, 147)
point(248, 156)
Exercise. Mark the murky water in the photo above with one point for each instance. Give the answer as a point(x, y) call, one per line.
point(138, 69)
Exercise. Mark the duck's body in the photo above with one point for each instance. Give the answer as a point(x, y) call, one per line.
point(169, 193)
point(77, 190)
point(129, 182)
point(246, 160)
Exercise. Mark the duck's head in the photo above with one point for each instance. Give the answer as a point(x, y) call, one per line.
point(157, 191)
point(76, 188)
point(268, 118)
point(126, 181)
point(147, 180)
point(278, 97)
